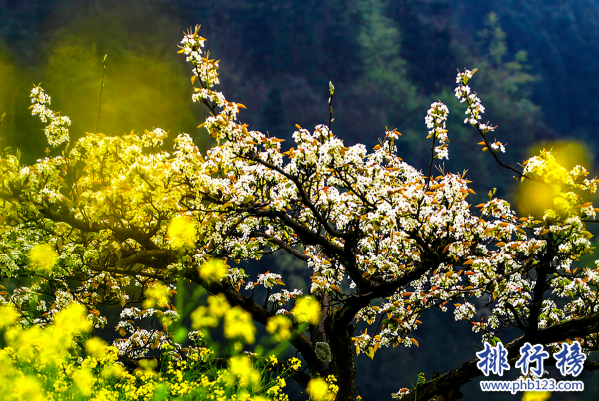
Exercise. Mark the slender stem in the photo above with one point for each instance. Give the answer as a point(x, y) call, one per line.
point(2, 136)
point(430, 166)
point(332, 93)
point(101, 88)
point(519, 173)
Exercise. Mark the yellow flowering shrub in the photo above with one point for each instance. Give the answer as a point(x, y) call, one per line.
point(57, 363)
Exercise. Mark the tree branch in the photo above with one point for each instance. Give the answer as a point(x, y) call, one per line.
point(456, 378)
point(258, 312)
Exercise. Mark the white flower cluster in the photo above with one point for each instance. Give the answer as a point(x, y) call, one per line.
point(142, 341)
point(205, 69)
point(57, 131)
point(436, 119)
point(281, 298)
point(464, 311)
point(268, 280)
point(498, 146)
point(475, 108)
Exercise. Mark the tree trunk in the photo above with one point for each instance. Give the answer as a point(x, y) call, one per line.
point(335, 352)
point(343, 365)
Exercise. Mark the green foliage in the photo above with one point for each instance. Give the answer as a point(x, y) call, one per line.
point(384, 89)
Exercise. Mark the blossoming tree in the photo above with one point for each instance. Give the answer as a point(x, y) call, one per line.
point(384, 242)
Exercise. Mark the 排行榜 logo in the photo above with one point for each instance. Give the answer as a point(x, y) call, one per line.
point(569, 361)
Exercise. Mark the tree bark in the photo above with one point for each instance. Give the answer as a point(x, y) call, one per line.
point(337, 335)
point(342, 363)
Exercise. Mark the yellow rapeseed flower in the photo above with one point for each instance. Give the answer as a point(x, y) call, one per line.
point(536, 395)
point(202, 318)
point(239, 325)
point(218, 305)
point(280, 326)
point(208, 316)
point(43, 257)
point(8, 315)
point(307, 309)
point(241, 366)
point(317, 389)
point(213, 270)
point(113, 370)
point(181, 231)
point(295, 364)
point(27, 387)
point(73, 320)
point(96, 346)
point(156, 294)
point(84, 380)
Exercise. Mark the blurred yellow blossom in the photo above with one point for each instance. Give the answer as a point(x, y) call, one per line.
point(218, 304)
point(239, 324)
point(43, 257)
point(202, 318)
point(280, 326)
point(96, 347)
point(156, 294)
point(84, 380)
point(317, 389)
point(181, 231)
point(307, 309)
point(113, 370)
point(241, 367)
point(208, 316)
point(536, 395)
point(213, 270)
point(8, 315)
point(73, 319)
point(28, 388)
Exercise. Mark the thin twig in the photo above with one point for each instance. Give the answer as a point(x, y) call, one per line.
point(430, 166)
point(331, 92)
point(101, 88)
